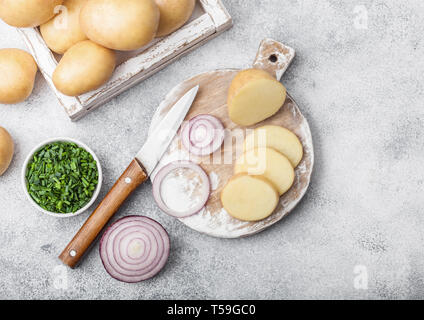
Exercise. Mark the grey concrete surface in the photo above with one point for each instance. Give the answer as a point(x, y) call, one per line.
point(361, 88)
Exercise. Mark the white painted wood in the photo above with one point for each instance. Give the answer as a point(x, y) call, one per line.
point(218, 13)
point(137, 66)
point(274, 56)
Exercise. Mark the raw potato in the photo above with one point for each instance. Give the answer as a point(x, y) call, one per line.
point(64, 30)
point(120, 24)
point(249, 198)
point(254, 95)
point(173, 15)
point(17, 75)
point(84, 67)
point(6, 150)
point(268, 163)
point(278, 138)
point(27, 13)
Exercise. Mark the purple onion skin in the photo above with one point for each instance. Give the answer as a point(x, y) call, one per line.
point(109, 227)
point(186, 139)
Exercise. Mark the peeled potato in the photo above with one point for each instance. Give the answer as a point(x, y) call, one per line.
point(278, 138)
point(268, 163)
point(84, 67)
point(6, 150)
point(254, 95)
point(173, 14)
point(27, 13)
point(249, 198)
point(120, 24)
point(64, 30)
point(17, 75)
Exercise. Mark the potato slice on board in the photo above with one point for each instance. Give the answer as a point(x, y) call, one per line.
point(278, 138)
point(268, 163)
point(249, 198)
point(254, 95)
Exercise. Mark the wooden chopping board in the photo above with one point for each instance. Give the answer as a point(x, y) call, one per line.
point(213, 220)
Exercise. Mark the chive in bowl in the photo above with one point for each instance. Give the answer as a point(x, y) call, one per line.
point(77, 193)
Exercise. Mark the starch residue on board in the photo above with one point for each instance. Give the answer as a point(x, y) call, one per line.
point(180, 189)
point(214, 179)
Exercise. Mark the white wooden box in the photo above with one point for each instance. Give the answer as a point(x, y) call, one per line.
point(209, 19)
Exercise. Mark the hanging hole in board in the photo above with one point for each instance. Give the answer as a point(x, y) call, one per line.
point(273, 58)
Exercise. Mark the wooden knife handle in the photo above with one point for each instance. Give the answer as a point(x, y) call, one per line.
point(133, 176)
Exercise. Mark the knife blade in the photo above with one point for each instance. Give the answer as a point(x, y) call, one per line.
point(136, 173)
point(155, 146)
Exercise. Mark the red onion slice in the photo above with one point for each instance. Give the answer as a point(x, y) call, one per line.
point(201, 133)
point(203, 144)
point(134, 248)
point(181, 189)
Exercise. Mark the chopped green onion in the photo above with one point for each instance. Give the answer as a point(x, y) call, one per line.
point(62, 177)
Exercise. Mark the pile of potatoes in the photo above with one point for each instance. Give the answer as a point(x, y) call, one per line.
point(265, 171)
point(87, 33)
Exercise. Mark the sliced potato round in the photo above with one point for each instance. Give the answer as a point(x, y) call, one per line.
point(27, 13)
point(64, 30)
point(278, 138)
point(17, 75)
point(249, 198)
point(84, 67)
point(254, 95)
point(268, 163)
point(6, 150)
point(120, 24)
point(173, 14)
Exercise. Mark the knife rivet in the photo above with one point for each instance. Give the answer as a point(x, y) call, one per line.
point(72, 253)
point(127, 180)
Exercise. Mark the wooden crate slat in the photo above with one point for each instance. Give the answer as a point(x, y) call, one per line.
point(47, 63)
point(218, 13)
point(159, 53)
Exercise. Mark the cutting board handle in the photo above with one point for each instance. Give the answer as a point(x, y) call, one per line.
point(274, 57)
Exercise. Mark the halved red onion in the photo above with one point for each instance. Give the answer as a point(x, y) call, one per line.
point(181, 189)
point(134, 248)
point(202, 135)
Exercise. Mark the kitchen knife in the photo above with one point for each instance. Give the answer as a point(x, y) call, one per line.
point(136, 173)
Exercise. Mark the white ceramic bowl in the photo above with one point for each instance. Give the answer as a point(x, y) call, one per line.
point(61, 215)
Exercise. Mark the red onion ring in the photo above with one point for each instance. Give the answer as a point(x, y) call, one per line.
point(213, 139)
point(134, 248)
point(202, 191)
point(194, 129)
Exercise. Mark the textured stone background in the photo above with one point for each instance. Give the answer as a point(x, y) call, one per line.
point(362, 92)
